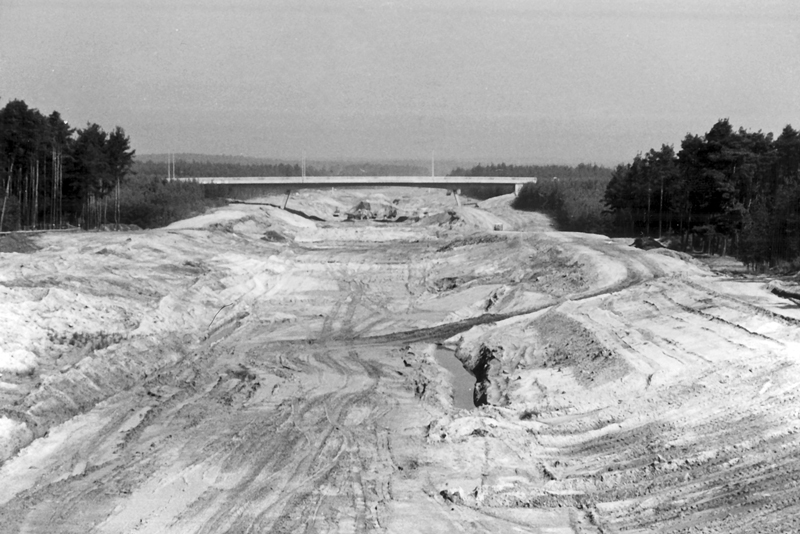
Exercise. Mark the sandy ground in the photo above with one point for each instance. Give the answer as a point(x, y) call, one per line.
point(260, 370)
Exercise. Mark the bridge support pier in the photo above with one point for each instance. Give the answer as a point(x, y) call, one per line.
point(517, 189)
point(457, 192)
point(286, 198)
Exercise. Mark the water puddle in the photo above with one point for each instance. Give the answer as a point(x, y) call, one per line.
point(462, 380)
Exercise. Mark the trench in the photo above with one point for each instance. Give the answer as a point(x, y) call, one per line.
point(461, 380)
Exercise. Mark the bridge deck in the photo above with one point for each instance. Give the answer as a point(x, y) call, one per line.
point(296, 182)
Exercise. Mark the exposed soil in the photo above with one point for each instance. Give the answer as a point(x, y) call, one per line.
point(16, 242)
point(255, 370)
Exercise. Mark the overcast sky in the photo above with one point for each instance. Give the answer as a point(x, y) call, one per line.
point(499, 80)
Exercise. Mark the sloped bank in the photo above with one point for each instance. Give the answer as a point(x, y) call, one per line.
point(647, 405)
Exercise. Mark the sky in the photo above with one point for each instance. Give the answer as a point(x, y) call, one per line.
point(493, 81)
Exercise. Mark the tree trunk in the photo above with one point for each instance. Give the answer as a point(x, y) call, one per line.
point(116, 205)
point(633, 223)
point(23, 208)
point(36, 195)
point(661, 207)
point(669, 223)
point(59, 221)
point(53, 192)
point(5, 198)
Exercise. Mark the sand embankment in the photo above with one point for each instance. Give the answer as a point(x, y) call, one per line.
point(255, 370)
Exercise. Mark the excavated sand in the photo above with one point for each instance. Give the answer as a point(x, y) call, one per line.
point(261, 370)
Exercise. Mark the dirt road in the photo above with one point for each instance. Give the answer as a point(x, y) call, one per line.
point(211, 377)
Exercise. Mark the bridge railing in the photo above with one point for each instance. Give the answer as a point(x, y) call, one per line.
point(362, 180)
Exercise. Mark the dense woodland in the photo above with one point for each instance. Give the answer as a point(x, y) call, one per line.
point(52, 174)
point(725, 192)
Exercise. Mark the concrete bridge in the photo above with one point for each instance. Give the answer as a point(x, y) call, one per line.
point(288, 184)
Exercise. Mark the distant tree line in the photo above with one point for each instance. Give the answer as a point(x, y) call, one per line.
point(208, 169)
point(541, 172)
point(733, 191)
point(196, 168)
point(369, 168)
point(52, 174)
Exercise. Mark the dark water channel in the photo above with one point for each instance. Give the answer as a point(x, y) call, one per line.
point(462, 380)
